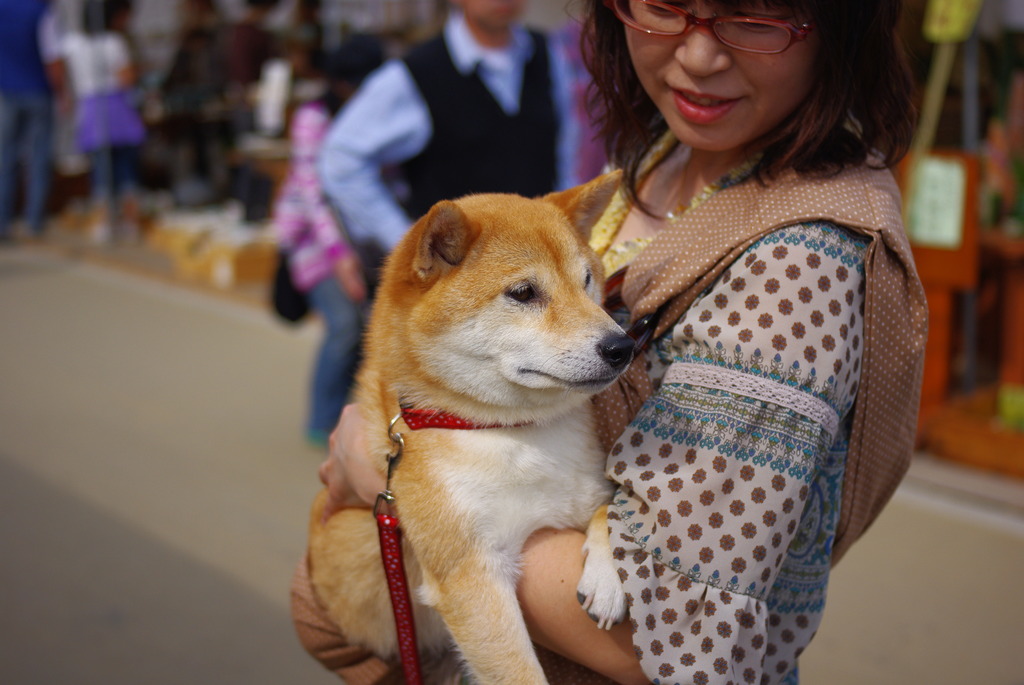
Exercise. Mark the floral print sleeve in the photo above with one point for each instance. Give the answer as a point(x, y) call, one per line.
point(730, 475)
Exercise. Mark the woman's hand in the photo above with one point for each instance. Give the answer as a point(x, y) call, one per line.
point(348, 472)
point(349, 272)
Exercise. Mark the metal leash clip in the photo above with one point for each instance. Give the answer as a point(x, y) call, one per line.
point(387, 498)
point(390, 534)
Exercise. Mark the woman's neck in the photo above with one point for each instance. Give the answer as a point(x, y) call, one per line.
point(704, 168)
point(671, 187)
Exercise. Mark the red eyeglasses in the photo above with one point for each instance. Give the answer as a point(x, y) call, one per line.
point(752, 34)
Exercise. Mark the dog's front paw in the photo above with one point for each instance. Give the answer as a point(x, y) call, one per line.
point(600, 592)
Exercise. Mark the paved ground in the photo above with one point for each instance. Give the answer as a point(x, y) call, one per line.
point(153, 482)
point(153, 486)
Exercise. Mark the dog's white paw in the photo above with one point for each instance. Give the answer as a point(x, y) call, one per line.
point(600, 592)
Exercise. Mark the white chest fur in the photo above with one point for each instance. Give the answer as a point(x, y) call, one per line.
point(510, 482)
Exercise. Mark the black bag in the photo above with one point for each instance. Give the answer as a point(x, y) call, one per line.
point(290, 303)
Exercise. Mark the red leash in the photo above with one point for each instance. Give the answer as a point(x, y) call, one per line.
point(394, 570)
point(401, 605)
point(391, 535)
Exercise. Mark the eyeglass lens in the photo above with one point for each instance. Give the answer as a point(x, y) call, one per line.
point(672, 20)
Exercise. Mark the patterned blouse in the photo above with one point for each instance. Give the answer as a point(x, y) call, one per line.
point(730, 477)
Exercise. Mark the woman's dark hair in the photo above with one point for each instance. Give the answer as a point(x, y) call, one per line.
point(859, 109)
point(99, 15)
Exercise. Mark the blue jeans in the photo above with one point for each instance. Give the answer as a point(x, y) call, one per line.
point(26, 127)
point(115, 172)
point(338, 356)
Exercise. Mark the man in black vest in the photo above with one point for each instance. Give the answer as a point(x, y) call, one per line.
point(483, 107)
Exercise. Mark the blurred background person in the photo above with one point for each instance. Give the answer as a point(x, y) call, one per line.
point(320, 260)
point(590, 155)
point(31, 71)
point(109, 127)
point(483, 107)
point(193, 94)
point(303, 39)
point(248, 45)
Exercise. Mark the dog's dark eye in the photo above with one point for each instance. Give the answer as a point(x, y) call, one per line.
point(589, 279)
point(522, 293)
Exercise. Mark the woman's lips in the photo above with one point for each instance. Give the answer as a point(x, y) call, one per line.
point(701, 108)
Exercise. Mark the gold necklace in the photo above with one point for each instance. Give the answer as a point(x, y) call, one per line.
point(675, 215)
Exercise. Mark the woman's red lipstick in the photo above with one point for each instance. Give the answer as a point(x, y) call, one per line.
point(701, 108)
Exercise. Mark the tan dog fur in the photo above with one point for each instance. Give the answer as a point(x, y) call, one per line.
point(488, 309)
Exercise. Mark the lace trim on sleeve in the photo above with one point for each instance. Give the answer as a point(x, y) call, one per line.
point(759, 388)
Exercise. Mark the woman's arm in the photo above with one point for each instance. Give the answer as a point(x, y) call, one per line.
point(125, 72)
point(730, 475)
point(308, 130)
point(552, 565)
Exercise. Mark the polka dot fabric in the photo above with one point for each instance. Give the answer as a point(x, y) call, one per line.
point(725, 548)
point(788, 310)
point(731, 469)
point(682, 263)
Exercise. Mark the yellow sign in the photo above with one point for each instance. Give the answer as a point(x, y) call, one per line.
point(950, 21)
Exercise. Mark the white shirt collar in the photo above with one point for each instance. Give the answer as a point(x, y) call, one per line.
point(467, 53)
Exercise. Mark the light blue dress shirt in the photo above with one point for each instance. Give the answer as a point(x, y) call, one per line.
point(387, 123)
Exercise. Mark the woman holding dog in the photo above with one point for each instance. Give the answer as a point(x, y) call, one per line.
point(773, 412)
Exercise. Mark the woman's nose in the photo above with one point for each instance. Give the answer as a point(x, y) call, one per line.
point(701, 53)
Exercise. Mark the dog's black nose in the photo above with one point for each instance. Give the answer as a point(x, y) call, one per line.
point(617, 350)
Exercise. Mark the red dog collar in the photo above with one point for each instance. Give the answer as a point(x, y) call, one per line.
point(416, 419)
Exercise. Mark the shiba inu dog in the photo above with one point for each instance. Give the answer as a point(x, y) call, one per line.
point(488, 311)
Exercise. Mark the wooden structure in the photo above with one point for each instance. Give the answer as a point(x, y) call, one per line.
point(945, 273)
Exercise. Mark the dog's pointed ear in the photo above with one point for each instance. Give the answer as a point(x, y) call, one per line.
point(584, 204)
point(445, 240)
